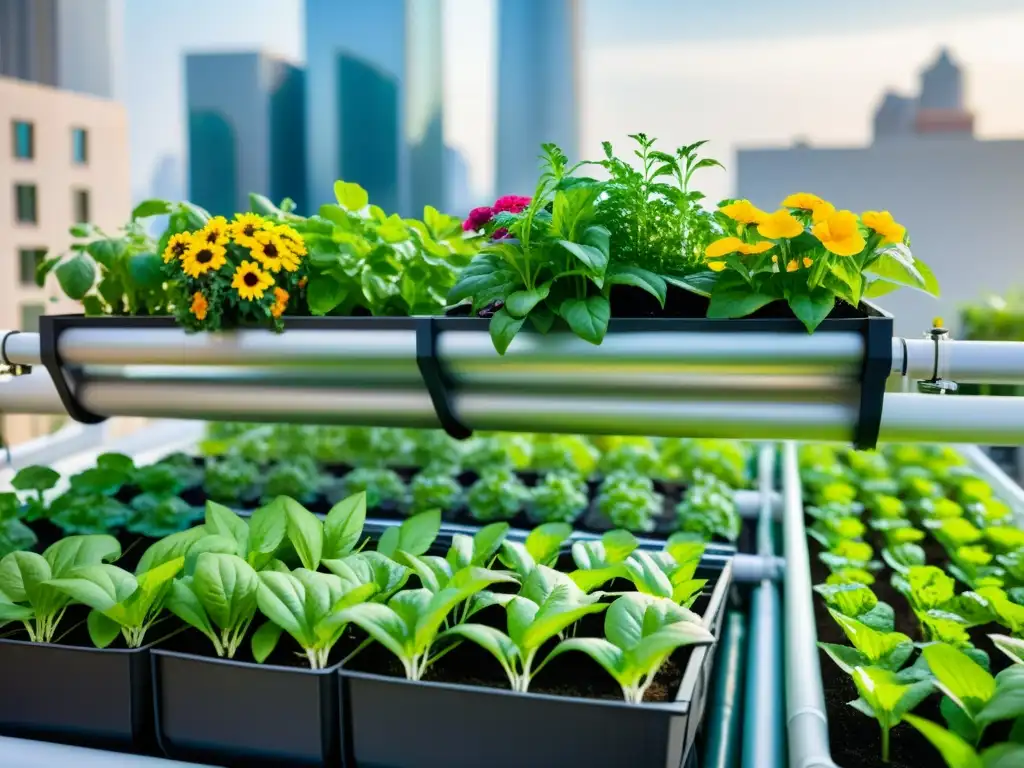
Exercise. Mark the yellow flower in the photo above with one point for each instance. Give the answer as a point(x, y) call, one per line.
point(726, 245)
point(250, 281)
point(822, 212)
point(202, 258)
point(199, 306)
point(778, 225)
point(792, 266)
point(716, 266)
point(744, 212)
point(270, 251)
point(808, 262)
point(883, 223)
point(805, 201)
point(840, 234)
point(215, 232)
point(290, 238)
point(280, 302)
point(177, 246)
point(244, 228)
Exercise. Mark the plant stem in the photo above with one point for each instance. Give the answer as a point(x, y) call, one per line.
point(885, 745)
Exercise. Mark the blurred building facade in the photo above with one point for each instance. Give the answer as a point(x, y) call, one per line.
point(68, 44)
point(538, 87)
point(958, 197)
point(246, 129)
point(63, 161)
point(374, 107)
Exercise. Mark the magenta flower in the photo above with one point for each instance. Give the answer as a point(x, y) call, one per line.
point(499, 234)
point(511, 204)
point(478, 217)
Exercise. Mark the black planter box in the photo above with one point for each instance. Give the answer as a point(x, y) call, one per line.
point(390, 722)
point(237, 713)
point(86, 696)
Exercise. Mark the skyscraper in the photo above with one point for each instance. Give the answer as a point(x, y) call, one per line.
point(69, 44)
point(538, 88)
point(374, 111)
point(246, 130)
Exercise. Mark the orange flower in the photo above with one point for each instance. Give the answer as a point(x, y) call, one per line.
point(805, 201)
point(883, 223)
point(726, 245)
point(792, 266)
point(840, 233)
point(199, 306)
point(779, 225)
point(744, 212)
point(280, 302)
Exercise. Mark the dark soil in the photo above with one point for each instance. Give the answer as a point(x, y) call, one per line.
point(630, 302)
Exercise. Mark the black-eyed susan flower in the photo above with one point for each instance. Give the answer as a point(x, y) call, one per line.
point(244, 228)
point(202, 257)
point(744, 212)
point(840, 233)
point(199, 306)
point(177, 246)
point(250, 281)
point(883, 223)
point(290, 238)
point(779, 225)
point(272, 253)
point(280, 302)
point(215, 232)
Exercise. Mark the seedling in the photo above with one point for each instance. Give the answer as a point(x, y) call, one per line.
point(885, 698)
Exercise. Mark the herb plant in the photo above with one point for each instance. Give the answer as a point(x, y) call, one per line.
point(709, 509)
point(297, 478)
point(957, 753)
point(230, 479)
point(886, 698)
point(381, 486)
point(564, 453)
point(14, 534)
point(434, 490)
point(884, 650)
point(498, 494)
point(636, 456)
point(629, 501)
point(155, 516)
point(558, 497)
point(600, 561)
point(542, 547)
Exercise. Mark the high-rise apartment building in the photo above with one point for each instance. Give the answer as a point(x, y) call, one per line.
point(538, 88)
point(63, 161)
point(68, 44)
point(246, 130)
point(374, 105)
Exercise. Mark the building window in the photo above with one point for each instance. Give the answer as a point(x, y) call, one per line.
point(30, 314)
point(25, 208)
point(29, 260)
point(81, 203)
point(24, 140)
point(79, 146)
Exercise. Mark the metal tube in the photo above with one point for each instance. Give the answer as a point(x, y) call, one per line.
point(952, 419)
point(721, 746)
point(967, 362)
point(806, 722)
point(22, 348)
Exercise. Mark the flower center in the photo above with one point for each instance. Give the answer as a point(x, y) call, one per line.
point(250, 279)
point(249, 230)
point(270, 251)
point(179, 248)
point(212, 236)
point(205, 256)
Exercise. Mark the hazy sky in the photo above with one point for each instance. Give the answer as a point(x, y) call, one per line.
point(743, 72)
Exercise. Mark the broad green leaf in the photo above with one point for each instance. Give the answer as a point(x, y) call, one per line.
point(1007, 703)
point(281, 597)
point(146, 270)
point(221, 521)
point(520, 303)
point(930, 587)
point(100, 587)
point(961, 679)
point(305, 532)
point(492, 640)
point(226, 586)
point(587, 318)
point(35, 479)
point(897, 266)
point(733, 297)
point(647, 575)
point(545, 541)
point(611, 658)
point(383, 624)
point(955, 751)
point(813, 307)
point(846, 657)
point(624, 621)
point(629, 274)
point(102, 630)
point(515, 556)
point(170, 547)
point(886, 649)
point(1011, 646)
point(268, 526)
point(463, 584)
point(344, 525)
point(503, 328)
point(76, 551)
point(183, 603)
point(460, 554)
point(76, 275)
point(415, 535)
point(657, 646)
point(265, 640)
point(486, 543)
point(554, 617)
point(148, 208)
point(350, 196)
point(543, 581)
point(371, 568)
point(324, 293)
point(851, 600)
point(594, 259)
point(589, 580)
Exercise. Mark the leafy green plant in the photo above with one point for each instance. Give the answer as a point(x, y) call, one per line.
point(298, 478)
point(685, 458)
point(14, 534)
point(409, 624)
point(218, 599)
point(547, 605)
point(542, 547)
point(381, 485)
point(498, 494)
point(629, 502)
point(155, 516)
point(230, 479)
point(709, 509)
point(483, 453)
point(600, 561)
point(84, 513)
point(26, 592)
point(564, 453)
point(957, 753)
point(857, 601)
point(1013, 647)
point(433, 449)
point(870, 647)
point(34, 482)
point(884, 697)
point(640, 633)
point(435, 489)
point(415, 536)
point(668, 574)
point(558, 497)
point(635, 456)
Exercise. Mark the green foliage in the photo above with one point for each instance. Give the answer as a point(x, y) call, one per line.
point(629, 502)
point(683, 459)
point(231, 479)
point(155, 516)
point(870, 647)
point(498, 494)
point(434, 489)
point(564, 453)
point(887, 699)
point(14, 534)
point(381, 485)
point(957, 753)
point(558, 497)
point(709, 509)
point(635, 456)
point(298, 478)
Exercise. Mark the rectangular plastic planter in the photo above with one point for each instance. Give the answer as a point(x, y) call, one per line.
point(441, 725)
point(237, 713)
point(86, 696)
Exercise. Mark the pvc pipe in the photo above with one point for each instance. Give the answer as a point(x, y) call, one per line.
point(723, 717)
point(974, 362)
point(748, 504)
point(806, 722)
point(30, 393)
point(24, 753)
point(943, 418)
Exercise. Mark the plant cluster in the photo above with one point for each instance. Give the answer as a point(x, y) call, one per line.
point(904, 494)
point(709, 509)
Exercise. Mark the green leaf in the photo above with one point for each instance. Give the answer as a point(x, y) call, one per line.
point(897, 265)
point(1011, 646)
point(460, 554)
point(351, 197)
point(966, 683)
point(221, 521)
point(845, 657)
point(629, 274)
point(324, 293)
point(545, 541)
point(226, 586)
point(1007, 702)
point(486, 543)
point(344, 525)
point(264, 641)
point(851, 599)
point(268, 527)
point(594, 259)
point(152, 207)
point(263, 206)
point(624, 621)
point(102, 630)
point(734, 297)
point(813, 307)
point(415, 535)
point(76, 276)
point(888, 650)
point(146, 270)
point(503, 328)
point(77, 551)
point(955, 751)
point(654, 648)
point(100, 587)
point(305, 532)
point(183, 602)
point(554, 617)
point(464, 583)
point(611, 658)
point(383, 624)
point(587, 318)
point(647, 574)
point(515, 556)
point(520, 303)
point(35, 479)
point(492, 640)
point(281, 597)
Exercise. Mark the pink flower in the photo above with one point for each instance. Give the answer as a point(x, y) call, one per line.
point(499, 234)
point(511, 204)
point(478, 217)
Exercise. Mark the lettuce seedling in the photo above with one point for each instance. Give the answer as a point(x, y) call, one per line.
point(1003, 539)
point(903, 557)
point(600, 561)
point(638, 457)
point(857, 601)
point(559, 497)
point(498, 494)
point(307, 605)
point(218, 599)
point(975, 699)
point(120, 601)
point(871, 648)
point(953, 532)
point(850, 554)
point(641, 632)
point(542, 547)
point(381, 486)
point(434, 490)
point(35, 480)
point(885, 698)
point(298, 478)
point(887, 508)
point(957, 753)
point(155, 516)
point(668, 574)
point(629, 501)
point(709, 510)
point(26, 594)
point(408, 625)
point(561, 453)
point(230, 479)
point(1006, 612)
point(414, 536)
point(548, 605)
